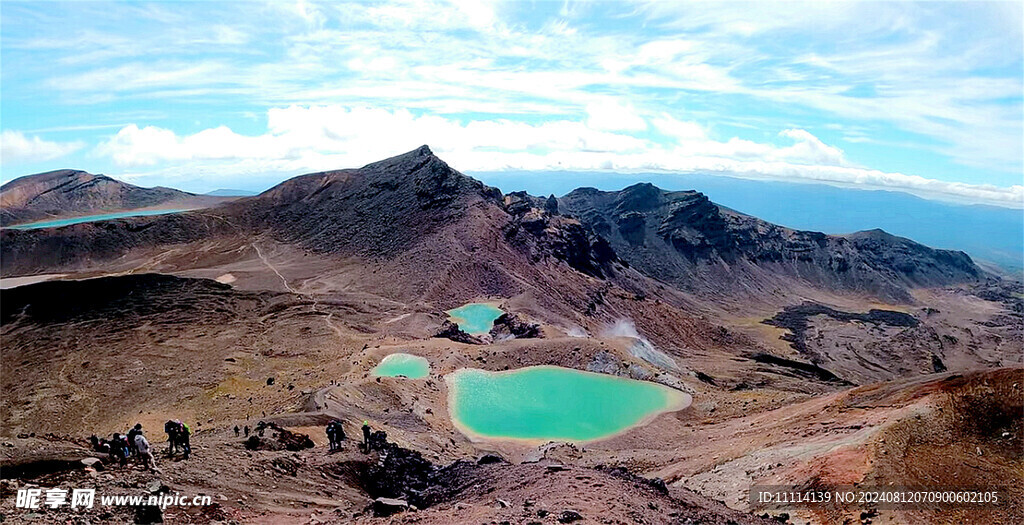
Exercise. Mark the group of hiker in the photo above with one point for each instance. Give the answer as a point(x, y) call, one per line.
point(334, 429)
point(133, 444)
point(123, 446)
point(178, 435)
point(336, 434)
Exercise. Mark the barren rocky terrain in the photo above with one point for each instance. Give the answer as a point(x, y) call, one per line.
point(903, 368)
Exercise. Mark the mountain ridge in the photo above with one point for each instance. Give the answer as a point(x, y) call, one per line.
point(992, 235)
point(687, 240)
point(67, 192)
point(416, 203)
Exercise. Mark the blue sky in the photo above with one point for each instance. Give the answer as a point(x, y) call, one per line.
point(918, 97)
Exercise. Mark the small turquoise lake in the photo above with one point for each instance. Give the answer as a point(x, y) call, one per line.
point(402, 365)
point(553, 403)
point(91, 218)
point(475, 318)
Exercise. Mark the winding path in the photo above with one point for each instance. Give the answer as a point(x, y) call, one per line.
point(316, 303)
point(272, 268)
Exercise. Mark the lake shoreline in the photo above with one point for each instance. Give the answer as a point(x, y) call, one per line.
point(675, 400)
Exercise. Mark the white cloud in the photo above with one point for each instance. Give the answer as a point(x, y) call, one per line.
point(460, 56)
point(374, 64)
point(609, 114)
point(809, 149)
point(679, 130)
point(17, 148)
point(494, 84)
point(302, 139)
point(310, 13)
point(298, 134)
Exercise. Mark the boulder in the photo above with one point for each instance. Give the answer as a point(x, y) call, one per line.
point(93, 463)
point(569, 516)
point(383, 507)
point(508, 326)
point(450, 330)
point(156, 487)
point(254, 443)
point(399, 473)
point(279, 439)
point(488, 459)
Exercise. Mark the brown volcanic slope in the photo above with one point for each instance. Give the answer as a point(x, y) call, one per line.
point(685, 239)
point(412, 230)
point(465, 239)
point(97, 355)
point(68, 193)
point(408, 228)
point(416, 211)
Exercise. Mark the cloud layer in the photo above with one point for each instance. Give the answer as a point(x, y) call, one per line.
point(16, 147)
point(853, 93)
point(310, 138)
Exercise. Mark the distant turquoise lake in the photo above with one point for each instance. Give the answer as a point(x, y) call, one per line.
point(91, 218)
point(402, 365)
point(475, 318)
point(553, 403)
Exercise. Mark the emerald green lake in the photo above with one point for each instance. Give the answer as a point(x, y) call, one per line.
point(553, 403)
point(91, 218)
point(475, 318)
point(402, 365)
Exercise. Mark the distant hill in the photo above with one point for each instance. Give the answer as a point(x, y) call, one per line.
point(68, 193)
point(683, 238)
point(231, 193)
point(988, 233)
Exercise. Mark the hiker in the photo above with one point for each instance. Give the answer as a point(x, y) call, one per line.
point(145, 455)
point(237, 430)
point(171, 428)
point(118, 449)
point(99, 445)
point(330, 435)
point(366, 436)
point(335, 433)
point(246, 430)
point(135, 431)
point(183, 439)
point(178, 437)
point(125, 446)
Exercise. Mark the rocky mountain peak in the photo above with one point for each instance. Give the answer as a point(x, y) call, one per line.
point(684, 238)
point(380, 209)
point(404, 161)
point(640, 197)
